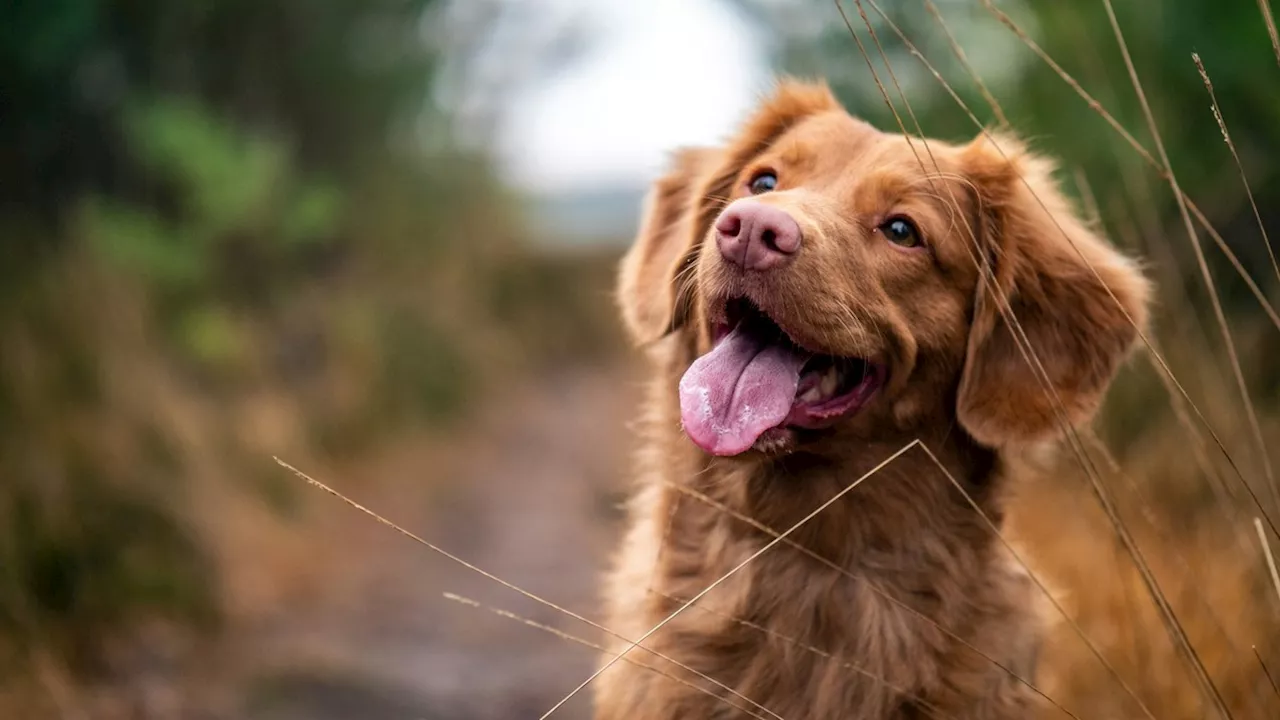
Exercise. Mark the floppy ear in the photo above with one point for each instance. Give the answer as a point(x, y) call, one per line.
point(1077, 301)
point(655, 282)
point(664, 248)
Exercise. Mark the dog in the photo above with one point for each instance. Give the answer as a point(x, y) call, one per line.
point(815, 296)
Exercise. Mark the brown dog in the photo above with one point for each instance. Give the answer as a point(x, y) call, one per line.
point(816, 295)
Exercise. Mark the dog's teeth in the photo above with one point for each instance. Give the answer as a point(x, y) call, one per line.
point(824, 388)
point(830, 380)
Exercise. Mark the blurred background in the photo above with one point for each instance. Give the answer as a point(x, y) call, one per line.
point(376, 238)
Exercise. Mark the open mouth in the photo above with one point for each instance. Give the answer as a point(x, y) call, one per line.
point(756, 379)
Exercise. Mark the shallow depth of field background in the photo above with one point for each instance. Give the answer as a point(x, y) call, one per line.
point(375, 238)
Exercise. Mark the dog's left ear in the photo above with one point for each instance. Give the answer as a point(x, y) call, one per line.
point(649, 290)
point(1074, 304)
point(655, 281)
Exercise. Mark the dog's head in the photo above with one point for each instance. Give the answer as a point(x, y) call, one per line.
point(835, 279)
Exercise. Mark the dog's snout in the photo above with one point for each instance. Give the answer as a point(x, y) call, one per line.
point(755, 236)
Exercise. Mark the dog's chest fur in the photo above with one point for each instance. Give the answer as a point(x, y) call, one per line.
point(881, 606)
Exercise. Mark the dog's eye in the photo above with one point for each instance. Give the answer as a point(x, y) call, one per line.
point(900, 231)
point(763, 182)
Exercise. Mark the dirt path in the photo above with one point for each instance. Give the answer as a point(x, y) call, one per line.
point(528, 494)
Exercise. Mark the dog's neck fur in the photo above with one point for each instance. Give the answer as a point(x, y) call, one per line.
point(848, 582)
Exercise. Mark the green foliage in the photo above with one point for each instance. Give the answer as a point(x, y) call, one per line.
point(228, 184)
point(238, 199)
point(238, 175)
point(337, 77)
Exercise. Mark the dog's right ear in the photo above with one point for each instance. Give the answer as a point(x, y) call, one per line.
point(1062, 311)
point(655, 278)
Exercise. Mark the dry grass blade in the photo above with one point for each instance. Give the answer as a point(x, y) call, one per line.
point(587, 643)
point(893, 77)
point(1171, 546)
point(1147, 511)
point(542, 601)
point(1244, 178)
point(876, 77)
point(964, 62)
point(1066, 77)
point(1226, 136)
point(1266, 550)
point(1271, 27)
point(768, 546)
point(1216, 484)
point(1262, 664)
point(1154, 240)
point(1202, 673)
point(1167, 615)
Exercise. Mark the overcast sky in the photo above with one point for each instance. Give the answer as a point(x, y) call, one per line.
point(659, 74)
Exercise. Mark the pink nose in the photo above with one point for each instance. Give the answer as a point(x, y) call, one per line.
point(755, 236)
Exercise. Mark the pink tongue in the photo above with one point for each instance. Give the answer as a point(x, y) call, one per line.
point(741, 388)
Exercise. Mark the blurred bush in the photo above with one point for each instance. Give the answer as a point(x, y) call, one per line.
point(205, 206)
